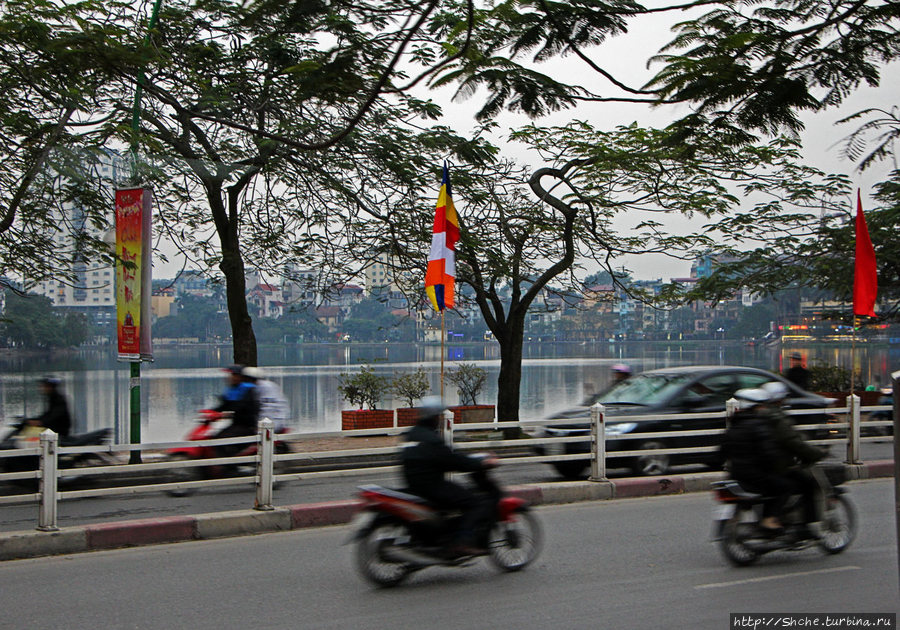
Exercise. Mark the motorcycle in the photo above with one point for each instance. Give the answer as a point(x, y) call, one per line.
point(401, 533)
point(742, 541)
point(18, 439)
point(206, 428)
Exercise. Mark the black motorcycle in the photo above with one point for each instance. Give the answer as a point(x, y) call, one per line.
point(66, 460)
point(742, 541)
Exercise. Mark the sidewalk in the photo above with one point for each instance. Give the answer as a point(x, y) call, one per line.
point(31, 544)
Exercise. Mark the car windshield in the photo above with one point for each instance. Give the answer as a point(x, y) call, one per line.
point(643, 389)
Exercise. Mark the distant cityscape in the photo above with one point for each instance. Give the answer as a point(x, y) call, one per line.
point(600, 312)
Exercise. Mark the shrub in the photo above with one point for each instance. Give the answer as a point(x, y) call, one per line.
point(364, 388)
point(469, 380)
point(411, 386)
point(831, 378)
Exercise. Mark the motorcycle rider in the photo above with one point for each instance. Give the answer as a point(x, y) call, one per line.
point(56, 416)
point(792, 450)
point(242, 400)
point(425, 459)
point(272, 402)
point(749, 446)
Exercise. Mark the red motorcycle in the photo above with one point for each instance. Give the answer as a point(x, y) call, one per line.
point(208, 425)
point(401, 533)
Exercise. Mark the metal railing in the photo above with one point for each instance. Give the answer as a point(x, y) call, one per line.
point(265, 458)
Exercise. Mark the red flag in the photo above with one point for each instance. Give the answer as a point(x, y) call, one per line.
point(865, 278)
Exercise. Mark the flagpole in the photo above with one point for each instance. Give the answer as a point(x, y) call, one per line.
point(442, 354)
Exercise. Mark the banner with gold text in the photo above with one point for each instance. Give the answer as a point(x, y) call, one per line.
point(134, 208)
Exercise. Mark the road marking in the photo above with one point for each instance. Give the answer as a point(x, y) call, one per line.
point(774, 577)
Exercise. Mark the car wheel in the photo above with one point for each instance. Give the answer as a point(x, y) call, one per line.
point(571, 469)
point(651, 464)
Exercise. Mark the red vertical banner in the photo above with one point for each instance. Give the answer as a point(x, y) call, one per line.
point(133, 273)
point(865, 280)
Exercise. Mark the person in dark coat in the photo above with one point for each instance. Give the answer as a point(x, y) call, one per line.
point(56, 415)
point(426, 459)
point(797, 373)
point(795, 454)
point(750, 447)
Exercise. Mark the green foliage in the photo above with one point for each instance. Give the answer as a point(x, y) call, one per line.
point(364, 387)
point(469, 380)
point(813, 250)
point(196, 317)
point(757, 67)
point(411, 386)
point(30, 321)
point(832, 378)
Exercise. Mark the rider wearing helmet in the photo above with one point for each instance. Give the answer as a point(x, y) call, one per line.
point(242, 400)
point(426, 458)
point(749, 446)
point(794, 453)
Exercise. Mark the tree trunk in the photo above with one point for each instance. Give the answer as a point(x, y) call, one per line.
point(509, 381)
point(243, 337)
point(232, 266)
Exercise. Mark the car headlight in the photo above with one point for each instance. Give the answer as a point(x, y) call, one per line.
point(620, 427)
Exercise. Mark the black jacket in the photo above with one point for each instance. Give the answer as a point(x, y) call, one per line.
point(56, 417)
point(751, 447)
point(425, 458)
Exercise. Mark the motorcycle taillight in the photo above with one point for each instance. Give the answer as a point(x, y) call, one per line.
point(724, 495)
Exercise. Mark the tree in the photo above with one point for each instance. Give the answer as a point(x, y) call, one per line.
point(818, 257)
point(30, 321)
point(757, 66)
point(56, 87)
point(519, 233)
point(370, 320)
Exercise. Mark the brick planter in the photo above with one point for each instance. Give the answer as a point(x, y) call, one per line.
point(407, 416)
point(472, 413)
point(367, 419)
point(866, 399)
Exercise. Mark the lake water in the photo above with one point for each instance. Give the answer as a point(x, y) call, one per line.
point(184, 379)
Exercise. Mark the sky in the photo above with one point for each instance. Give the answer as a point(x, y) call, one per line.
point(626, 57)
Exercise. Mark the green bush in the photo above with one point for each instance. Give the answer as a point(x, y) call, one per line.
point(831, 378)
point(364, 388)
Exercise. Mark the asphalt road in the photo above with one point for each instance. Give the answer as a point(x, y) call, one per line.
point(75, 512)
point(628, 564)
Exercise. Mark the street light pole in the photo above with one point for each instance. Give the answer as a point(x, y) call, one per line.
point(134, 382)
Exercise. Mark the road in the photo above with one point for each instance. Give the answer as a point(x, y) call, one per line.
point(628, 564)
point(313, 489)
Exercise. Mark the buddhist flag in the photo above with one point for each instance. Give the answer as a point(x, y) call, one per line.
point(441, 274)
point(865, 278)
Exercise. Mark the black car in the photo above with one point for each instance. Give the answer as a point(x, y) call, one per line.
point(660, 393)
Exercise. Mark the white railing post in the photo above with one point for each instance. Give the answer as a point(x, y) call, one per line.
point(448, 428)
point(49, 479)
point(598, 443)
point(266, 465)
point(731, 406)
point(853, 433)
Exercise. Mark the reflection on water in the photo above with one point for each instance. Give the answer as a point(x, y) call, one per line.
point(185, 379)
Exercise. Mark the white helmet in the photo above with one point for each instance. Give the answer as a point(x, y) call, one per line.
point(252, 372)
point(751, 396)
point(776, 390)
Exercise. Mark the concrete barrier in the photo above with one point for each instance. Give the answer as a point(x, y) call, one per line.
point(31, 544)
